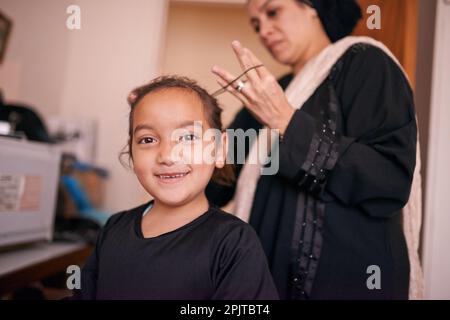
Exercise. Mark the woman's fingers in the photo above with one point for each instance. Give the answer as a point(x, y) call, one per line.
point(228, 78)
point(262, 95)
point(224, 75)
point(260, 77)
point(234, 92)
point(262, 70)
point(245, 61)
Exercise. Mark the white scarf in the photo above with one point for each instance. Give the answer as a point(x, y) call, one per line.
point(301, 88)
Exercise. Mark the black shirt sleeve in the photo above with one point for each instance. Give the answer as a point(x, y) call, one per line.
point(364, 154)
point(240, 270)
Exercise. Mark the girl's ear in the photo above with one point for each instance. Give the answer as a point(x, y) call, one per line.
point(130, 155)
point(222, 151)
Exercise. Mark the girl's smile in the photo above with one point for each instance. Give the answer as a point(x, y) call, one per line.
point(172, 177)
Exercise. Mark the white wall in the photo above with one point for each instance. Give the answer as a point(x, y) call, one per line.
point(36, 53)
point(86, 73)
point(117, 49)
point(437, 208)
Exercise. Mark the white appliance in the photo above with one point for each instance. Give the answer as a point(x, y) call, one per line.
point(29, 173)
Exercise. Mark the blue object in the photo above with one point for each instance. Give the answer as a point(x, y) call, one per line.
point(82, 202)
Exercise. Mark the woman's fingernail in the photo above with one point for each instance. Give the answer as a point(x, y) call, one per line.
point(214, 69)
point(236, 44)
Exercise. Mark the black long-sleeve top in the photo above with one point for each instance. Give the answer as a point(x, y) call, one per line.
point(216, 256)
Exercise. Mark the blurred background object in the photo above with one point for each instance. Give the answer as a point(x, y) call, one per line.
point(74, 136)
point(5, 30)
point(29, 173)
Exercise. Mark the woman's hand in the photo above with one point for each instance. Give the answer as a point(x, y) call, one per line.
point(261, 95)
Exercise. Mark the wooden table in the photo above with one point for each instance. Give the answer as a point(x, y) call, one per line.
point(22, 266)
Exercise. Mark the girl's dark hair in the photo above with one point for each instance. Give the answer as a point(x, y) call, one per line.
point(338, 17)
point(224, 176)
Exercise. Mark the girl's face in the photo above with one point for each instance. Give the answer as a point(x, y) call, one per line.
point(285, 27)
point(168, 146)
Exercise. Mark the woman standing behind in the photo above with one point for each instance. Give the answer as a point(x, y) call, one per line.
point(331, 216)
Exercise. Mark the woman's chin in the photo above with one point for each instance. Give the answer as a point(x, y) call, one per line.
point(282, 57)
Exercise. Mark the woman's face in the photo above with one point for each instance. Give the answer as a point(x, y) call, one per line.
point(169, 146)
point(285, 27)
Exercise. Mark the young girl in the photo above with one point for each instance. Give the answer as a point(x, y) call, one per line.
point(178, 246)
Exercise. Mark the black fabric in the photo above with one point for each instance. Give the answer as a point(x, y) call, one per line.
point(25, 119)
point(338, 17)
point(346, 166)
point(216, 256)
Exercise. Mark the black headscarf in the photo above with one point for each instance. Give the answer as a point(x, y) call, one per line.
point(338, 17)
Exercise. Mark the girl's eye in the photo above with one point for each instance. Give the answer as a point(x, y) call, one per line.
point(147, 140)
point(256, 27)
point(272, 13)
point(188, 138)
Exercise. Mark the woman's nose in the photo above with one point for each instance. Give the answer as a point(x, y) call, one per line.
point(265, 31)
